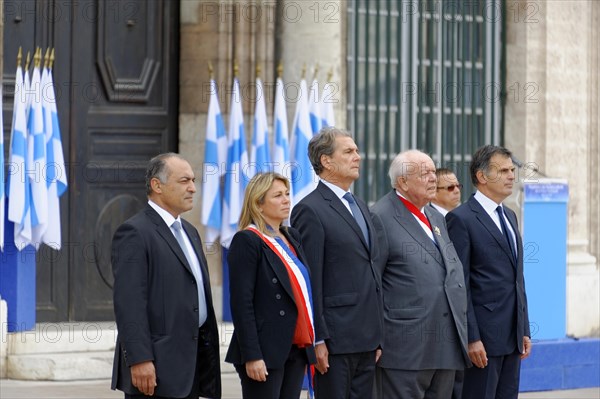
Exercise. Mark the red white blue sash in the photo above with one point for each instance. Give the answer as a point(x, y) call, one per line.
point(294, 271)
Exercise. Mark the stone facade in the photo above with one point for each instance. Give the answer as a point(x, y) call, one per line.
point(250, 34)
point(551, 120)
point(551, 112)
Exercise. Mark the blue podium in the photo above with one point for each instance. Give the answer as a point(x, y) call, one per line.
point(545, 256)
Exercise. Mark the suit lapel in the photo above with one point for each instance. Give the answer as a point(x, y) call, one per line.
point(491, 227)
point(341, 209)
point(408, 222)
point(165, 232)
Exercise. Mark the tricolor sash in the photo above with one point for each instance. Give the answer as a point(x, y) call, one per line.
point(298, 273)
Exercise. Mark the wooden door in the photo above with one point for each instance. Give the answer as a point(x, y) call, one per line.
point(116, 74)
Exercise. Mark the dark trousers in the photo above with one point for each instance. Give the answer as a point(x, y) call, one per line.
point(414, 384)
point(350, 376)
point(458, 384)
point(285, 383)
point(498, 380)
point(203, 377)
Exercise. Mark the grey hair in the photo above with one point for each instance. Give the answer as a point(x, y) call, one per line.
point(157, 168)
point(324, 144)
point(401, 165)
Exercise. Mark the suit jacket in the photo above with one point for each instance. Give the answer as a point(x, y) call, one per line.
point(497, 303)
point(424, 294)
point(262, 302)
point(156, 307)
point(345, 284)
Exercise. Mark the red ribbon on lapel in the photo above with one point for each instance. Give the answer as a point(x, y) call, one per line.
point(415, 211)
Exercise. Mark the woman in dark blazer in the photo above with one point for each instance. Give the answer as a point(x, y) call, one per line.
point(271, 301)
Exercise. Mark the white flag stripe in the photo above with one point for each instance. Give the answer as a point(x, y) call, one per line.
point(314, 107)
point(327, 101)
point(237, 163)
point(281, 146)
point(36, 161)
point(303, 175)
point(18, 190)
point(215, 157)
point(56, 177)
point(260, 157)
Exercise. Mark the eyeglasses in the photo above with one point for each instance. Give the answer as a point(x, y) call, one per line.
point(452, 187)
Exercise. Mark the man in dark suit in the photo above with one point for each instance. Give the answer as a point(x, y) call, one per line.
point(168, 344)
point(486, 236)
point(340, 244)
point(424, 294)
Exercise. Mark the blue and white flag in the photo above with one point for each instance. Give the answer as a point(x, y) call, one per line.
point(327, 101)
point(2, 186)
point(304, 179)
point(215, 157)
point(18, 185)
point(314, 107)
point(260, 157)
point(235, 173)
point(56, 173)
point(281, 146)
point(36, 161)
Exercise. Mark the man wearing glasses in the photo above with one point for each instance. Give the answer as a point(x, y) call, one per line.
point(447, 195)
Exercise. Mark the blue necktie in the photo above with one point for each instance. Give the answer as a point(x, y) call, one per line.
point(506, 233)
point(202, 313)
point(358, 216)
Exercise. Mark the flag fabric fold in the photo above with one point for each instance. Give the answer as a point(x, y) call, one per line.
point(56, 173)
point(327, 100)
point(260, 157)
point(36, 161)
point(281, 146)
point(236, 169)
point(215, 157)
point(314, 108)
point(303, 176)
point(18, 187)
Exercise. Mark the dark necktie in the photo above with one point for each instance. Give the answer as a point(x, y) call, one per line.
point(358, 216)
point(202, 313)
point(506, 233)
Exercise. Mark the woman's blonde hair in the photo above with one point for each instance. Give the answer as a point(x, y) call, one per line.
point(255, 196)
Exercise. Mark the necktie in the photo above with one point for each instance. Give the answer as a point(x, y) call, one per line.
point(506, 233)
point(202, 313)
point(358, 216)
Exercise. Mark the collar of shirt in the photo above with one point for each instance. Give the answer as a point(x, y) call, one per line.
point(166, 216)
point(339, 192)
point(490, 206)
point(441, 210)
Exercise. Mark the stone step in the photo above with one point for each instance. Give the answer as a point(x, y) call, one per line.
point(71, 366)
point(60, 366)
point(73, 351)
point(64, 337)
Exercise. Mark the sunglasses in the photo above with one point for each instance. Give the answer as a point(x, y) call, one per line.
point(451, 188)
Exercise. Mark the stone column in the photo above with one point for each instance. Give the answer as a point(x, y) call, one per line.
point(220, 33)
point(312, 33)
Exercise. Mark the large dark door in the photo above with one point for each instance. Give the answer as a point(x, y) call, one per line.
point(117, 73)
